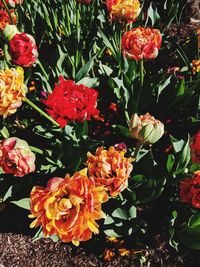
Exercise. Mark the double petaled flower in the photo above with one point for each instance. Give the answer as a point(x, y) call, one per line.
point(190, 190)
point(141, 43)
point(123, 10)
point(71, 102)
point(22, 46)
point(12, 90)
point(110, 169)
point(68, 207)
point(16, 157)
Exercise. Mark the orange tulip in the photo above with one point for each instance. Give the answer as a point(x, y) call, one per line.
point(110, 168)
point(68, 207)
point(123, 10)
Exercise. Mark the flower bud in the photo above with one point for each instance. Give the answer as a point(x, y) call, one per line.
point(10, 31)
point(145, 128)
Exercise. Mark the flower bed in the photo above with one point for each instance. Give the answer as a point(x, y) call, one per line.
point(100, 136)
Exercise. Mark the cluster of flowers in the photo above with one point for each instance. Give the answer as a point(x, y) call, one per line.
point(69, 207)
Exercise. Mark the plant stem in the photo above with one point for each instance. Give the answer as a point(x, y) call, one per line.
point(137, 150)
point(77, 33)
point(8, 11)
point(141, 83)
point(68, 19)
point(42, 69)
point(41, 111)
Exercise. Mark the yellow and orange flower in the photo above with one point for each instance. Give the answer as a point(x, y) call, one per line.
point(195, 66)
point(4, 18)
point(12, 90)
point(68, 207)
point(123, 10)
point(110, 168)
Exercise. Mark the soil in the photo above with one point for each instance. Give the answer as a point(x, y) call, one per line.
point(17, 250)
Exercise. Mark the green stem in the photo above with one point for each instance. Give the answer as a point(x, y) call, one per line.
point(42, 69)
point(137, 150)
point(68, 20)
point(8, 11)
point(77, 33)
point(41, 111)
point(141, 84)
point(36, 150)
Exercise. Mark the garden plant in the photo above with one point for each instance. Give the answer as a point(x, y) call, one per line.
point(100, 124)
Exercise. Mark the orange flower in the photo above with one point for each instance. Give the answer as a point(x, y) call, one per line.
point(123, 10)
point(4, 18)
point(68, 207)
point(110, 168)
point(141, 43)
point(12, 90)
point(195, 66)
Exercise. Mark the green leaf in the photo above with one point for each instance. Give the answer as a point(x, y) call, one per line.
point(89, 82)
point(111, 233)
point(170, 162)
point(4, 132)
point(120, 213)
point(189, 235)
point(185, 155)
point(22, 203)
point(108, 220)
point(84, 70)
point(153, 14)
point(177, 144)
point(8, 193)
point(125, 131)
point(55, 238)
point(132, 212)
point(163, 86)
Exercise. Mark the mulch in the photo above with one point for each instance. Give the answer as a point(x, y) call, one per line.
point(17, 250)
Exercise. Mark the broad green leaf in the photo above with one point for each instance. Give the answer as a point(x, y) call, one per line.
point(132, 212)
point(22, 203)
point(89, 82)
point(125, 131)
point(120, 213)
point(111, 233)
point(4, 132)
point(84, 70)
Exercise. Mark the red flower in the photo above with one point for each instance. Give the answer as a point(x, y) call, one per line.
point(190, 190)
point(195, 147)
point(71, 102)
point(23, 50)
point(141, 43)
